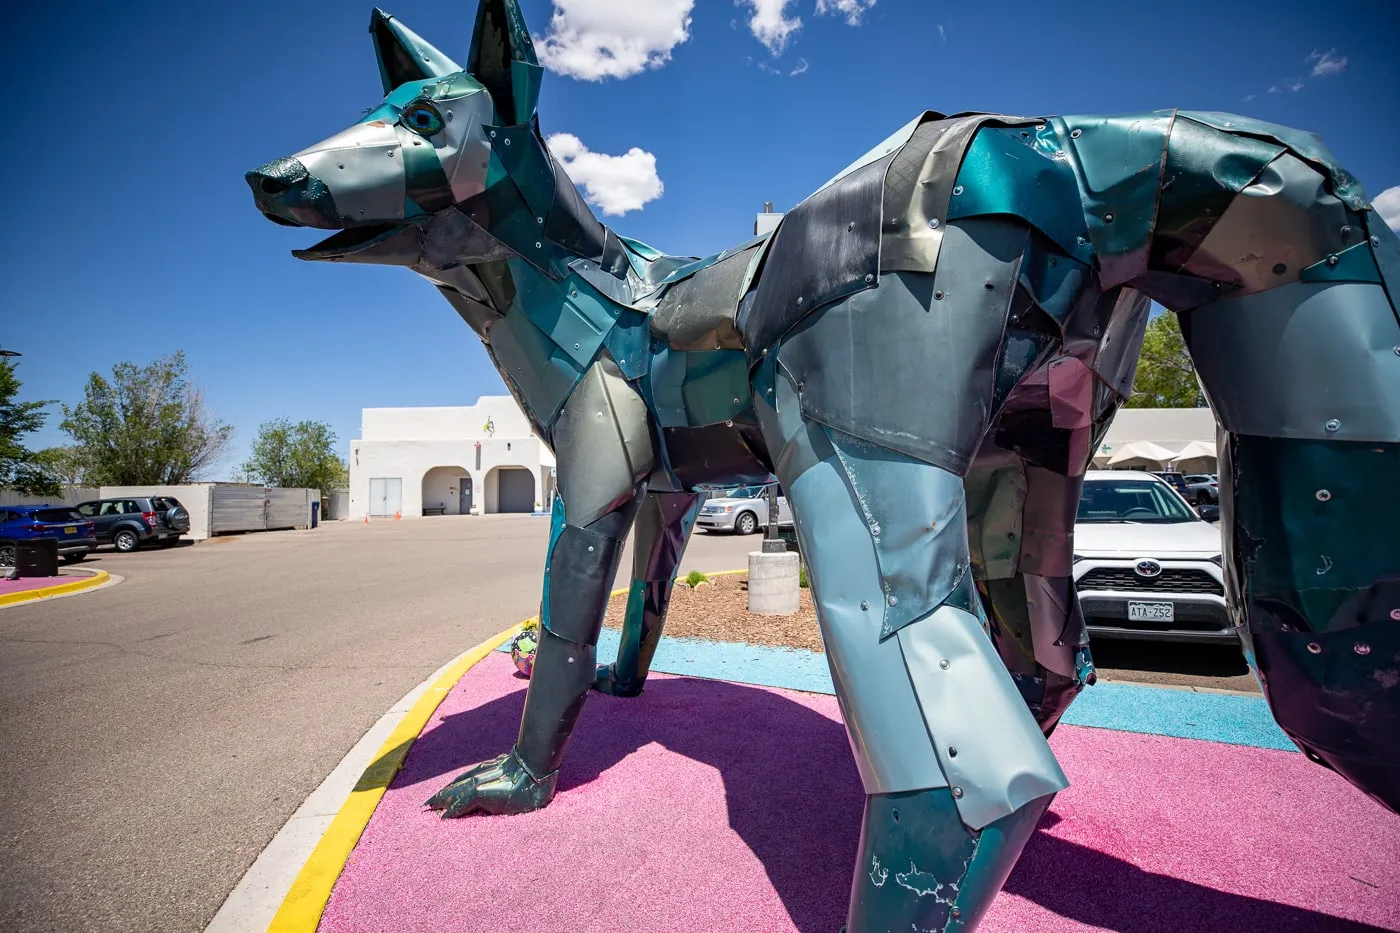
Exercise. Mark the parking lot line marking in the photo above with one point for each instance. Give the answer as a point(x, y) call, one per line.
point(302, 907)
point(99, 578)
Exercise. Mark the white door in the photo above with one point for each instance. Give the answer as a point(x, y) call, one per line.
point(784, 510)
point(385, 495)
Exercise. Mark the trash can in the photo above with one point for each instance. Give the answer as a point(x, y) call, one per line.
point(315, 512)
point(37, 557)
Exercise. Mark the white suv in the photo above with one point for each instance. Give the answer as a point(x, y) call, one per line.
point(1145, 565)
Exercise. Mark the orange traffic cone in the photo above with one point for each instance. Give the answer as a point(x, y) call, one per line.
point(397, 516)
point(366, 519)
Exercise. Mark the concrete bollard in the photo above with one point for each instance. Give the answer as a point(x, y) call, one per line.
point(773, 589)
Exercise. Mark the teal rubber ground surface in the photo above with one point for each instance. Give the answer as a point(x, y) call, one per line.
point(1185, 714)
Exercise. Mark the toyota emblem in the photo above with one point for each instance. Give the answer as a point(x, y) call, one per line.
point(1148, 568)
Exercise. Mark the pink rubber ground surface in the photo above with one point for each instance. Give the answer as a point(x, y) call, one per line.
point(24, 584)
point(710, 806)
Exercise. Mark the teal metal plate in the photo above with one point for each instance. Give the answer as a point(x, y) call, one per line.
point(1353, 264)
point(1003, 173)
point(542, 373)
point(574, 316)
point(716, 386)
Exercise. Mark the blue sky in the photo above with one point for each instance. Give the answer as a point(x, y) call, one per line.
point(130, 232)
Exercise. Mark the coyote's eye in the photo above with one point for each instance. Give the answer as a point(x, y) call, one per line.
point(422, 119)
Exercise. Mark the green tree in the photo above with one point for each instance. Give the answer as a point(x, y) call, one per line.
point(65, 464)
point(296, 456)
point(1165, 378)
point(19, 468)
point(146, 425)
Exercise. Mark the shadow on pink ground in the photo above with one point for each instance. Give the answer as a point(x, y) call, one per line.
point(711, 806)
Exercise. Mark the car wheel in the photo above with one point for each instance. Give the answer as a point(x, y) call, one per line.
point(7, 555)
point(746, 523)
point(126, 541)
point(73, 558)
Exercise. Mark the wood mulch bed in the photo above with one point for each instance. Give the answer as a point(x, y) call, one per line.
point(718, 609)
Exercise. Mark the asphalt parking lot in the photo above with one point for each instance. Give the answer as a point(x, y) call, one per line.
point(159, 732)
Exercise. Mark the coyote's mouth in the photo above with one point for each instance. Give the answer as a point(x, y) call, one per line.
point(346, 243)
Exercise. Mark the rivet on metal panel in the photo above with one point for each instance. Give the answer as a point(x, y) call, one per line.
point(1375, 241)
point(799, 300)
point(1333, 426)
point(875, 530)
point(575, 346)
point(1075, 134)
point(735, 401)
point(1280, 268)
point(539, 220)
point(957, 792)
point(729, 424)
point(390, 153)
point(799, 386)
point(590, 549)
point(869, 278)
point(955, 913)
point(539, 245)
point(944, 664)
point(1332, 259)
point(1082, 241)
point(893, 601)
point(507, 141)
point(573, 293)
point(449, 116)
point(1097, 330)
point(362, 213)
point(1397, 351)
point(1108, 218)
point(938, 295)
point(850, 226)
point(571, 660)
point(1395, 614)
point(957, 190)
point(341, 166)
point(1323, 495)
point(865, 607)
point(1314, 648)
point(418, 142)
point(894, 814)
point(1346, 231)
point(988, 286)
point(933, 224)
point(952, 751)
point(1361, 648)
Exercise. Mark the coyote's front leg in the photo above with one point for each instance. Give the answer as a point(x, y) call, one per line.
point(604, 448)
point(662, 529)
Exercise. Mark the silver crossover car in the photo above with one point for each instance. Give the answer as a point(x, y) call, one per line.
point(742, 511)
point(1145, 564)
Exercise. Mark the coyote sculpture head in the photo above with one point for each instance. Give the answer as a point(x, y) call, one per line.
point(412, 178)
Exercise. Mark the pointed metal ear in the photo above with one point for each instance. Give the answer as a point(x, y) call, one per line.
point(403, 54)
point(503, 59)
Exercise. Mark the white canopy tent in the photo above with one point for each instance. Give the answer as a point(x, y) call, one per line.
point(1196, 457)
point(1141, 454)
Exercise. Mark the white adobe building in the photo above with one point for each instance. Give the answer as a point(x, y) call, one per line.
point(475, 459)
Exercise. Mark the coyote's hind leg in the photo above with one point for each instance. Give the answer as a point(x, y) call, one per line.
point(955, 769)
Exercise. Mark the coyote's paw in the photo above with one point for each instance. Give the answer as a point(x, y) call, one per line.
point(500, 786)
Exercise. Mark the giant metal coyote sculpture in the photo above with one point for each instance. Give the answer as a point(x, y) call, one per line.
point(925, 353)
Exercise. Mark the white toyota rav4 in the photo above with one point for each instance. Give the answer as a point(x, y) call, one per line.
point(1146, 565)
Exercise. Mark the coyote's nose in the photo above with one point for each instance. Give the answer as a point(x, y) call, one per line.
point(287, 194)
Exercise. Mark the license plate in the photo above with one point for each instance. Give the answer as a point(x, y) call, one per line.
point(161, 535)
point(70, 531)
point(1151, 612)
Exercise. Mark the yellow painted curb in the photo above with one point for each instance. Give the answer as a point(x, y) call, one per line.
point(302, 907)
point(24, 596)
point(304, 904)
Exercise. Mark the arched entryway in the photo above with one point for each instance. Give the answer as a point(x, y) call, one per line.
point(510, 489)
point(447, 490)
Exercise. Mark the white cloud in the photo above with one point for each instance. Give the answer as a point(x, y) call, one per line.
point(1327, 63)
point(1297, 85)
point(596, 39)
point(1248, 98)
point(1387, 204)
point(942, 33)
point(614, 184)
point(801, 67)
point(851, 9)
point(770, 23)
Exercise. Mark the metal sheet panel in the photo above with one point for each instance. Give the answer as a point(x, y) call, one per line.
point(916, 517)
point(289, 508)
point(238, 508)
point(697, 313)
point(1271, 363)
point(539, 373)
point(1278, 225)
point(603, 443)
point(362, 168)
point(873, 364)
point(1002, 761)
point(827, 247)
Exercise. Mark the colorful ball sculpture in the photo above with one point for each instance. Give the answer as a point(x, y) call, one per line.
point(522, 650)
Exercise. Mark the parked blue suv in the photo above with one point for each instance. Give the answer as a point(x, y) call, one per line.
point(75, 534)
